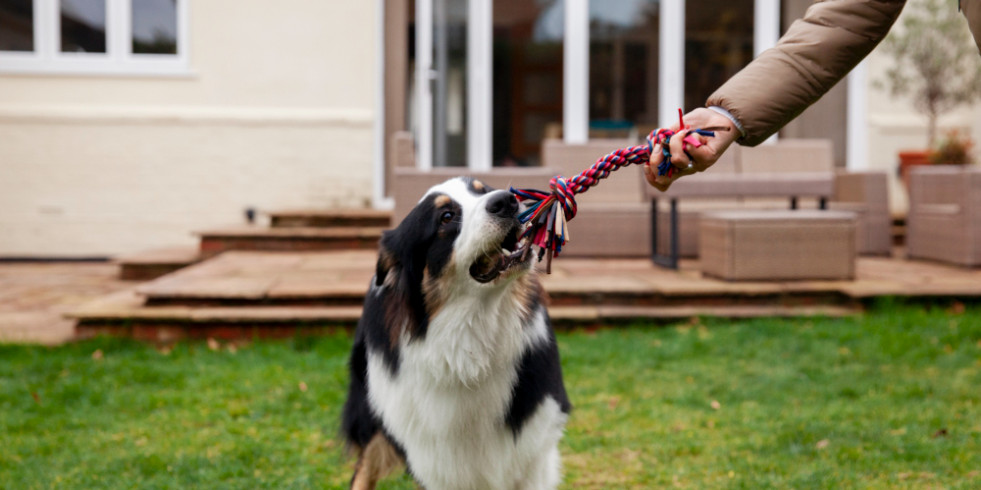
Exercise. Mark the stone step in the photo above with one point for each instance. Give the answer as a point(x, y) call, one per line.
point(151, 264)
point(124, 314)
point(291, 239)
point(327, 218)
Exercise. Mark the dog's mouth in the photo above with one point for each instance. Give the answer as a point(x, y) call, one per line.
point(511, 253)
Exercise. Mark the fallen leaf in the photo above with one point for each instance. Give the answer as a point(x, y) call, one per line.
point(213, 344)
point(710, 424)
point(232, 349)
point(823, 443)
point(36, 397)
point(898, 432)
point(303, 386)
point(715, 405)
point(940, 433)
point(97, 355)
point(732, 474)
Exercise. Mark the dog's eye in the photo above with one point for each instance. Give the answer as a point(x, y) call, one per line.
point(447, 217)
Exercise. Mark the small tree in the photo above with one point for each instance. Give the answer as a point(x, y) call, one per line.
point(936, 61)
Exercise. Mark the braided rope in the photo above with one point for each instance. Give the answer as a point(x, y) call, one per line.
point(549, 229)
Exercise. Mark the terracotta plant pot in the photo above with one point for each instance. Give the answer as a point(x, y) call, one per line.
point(908, 159)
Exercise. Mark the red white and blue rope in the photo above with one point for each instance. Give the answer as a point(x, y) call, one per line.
point(548, 228)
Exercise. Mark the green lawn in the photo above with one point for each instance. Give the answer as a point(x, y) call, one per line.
point(888, 400)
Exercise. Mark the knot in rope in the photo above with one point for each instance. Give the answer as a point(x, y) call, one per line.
point(547, 227)
point(562, 192)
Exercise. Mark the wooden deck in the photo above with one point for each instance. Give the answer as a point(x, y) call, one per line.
point(282, 293)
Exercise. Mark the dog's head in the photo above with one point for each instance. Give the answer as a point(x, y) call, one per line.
point(462, 237)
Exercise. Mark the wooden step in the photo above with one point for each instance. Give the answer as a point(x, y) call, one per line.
point(151, 264)
point(123, 314)
point(341, 279)
point(307, 239)
point(326, 218)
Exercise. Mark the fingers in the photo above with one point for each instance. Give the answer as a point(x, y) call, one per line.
point(662, 182)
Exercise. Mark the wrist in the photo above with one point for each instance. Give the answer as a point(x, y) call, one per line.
point(728, 115)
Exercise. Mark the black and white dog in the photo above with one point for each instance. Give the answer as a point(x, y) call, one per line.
point(455, 369)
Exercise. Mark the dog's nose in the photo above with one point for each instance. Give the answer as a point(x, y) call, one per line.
point(503, 204)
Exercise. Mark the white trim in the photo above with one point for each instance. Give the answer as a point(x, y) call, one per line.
point(354, 118)
point(575, 104)
point(766, 25)
point(378, 198)
point(424, 95)
point(766, 33)
point(857, 149)
point(47, 58)
point(480, 113)
point(671, 79)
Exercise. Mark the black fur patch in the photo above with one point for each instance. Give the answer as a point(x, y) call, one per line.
point(422, 241)
point(539, 375)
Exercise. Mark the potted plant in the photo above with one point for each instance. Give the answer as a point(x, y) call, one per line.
point(936, 64)
point(954, 149)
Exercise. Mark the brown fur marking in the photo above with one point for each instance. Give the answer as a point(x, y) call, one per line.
point(442, 200)
point(436, 290)
point(376, 461)
point(478, 185)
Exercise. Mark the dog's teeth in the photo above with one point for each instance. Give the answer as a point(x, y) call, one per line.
point(506, 251)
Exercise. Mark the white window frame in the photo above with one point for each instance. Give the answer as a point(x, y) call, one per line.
point(118, 59)
point(671, 83)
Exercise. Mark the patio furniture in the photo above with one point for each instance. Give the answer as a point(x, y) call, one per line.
point(763, 185)
point(790, 173)
point(944, 220)
point(866, 194)
point(778, 245)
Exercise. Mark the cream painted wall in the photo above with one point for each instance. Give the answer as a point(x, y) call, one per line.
point(894, 126)
point(276, 112)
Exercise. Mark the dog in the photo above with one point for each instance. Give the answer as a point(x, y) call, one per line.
point(455, 369)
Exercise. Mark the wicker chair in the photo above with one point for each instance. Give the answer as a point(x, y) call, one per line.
point(944, 220)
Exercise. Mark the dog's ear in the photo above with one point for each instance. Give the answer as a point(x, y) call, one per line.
point(385, 265)
point(401, 262)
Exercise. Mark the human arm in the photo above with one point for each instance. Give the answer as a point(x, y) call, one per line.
point(815, 53)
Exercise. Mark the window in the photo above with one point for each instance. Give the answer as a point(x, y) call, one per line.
point(623, 67)
point(93, 36)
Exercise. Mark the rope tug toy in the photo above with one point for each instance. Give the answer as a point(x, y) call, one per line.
point(549, 229)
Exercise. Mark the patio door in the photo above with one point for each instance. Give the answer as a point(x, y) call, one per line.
point(452, 84)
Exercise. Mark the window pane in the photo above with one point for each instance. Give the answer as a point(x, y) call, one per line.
point(16, 25)
point(450, 83)
point(83, 26)
point(718, 43)
point(527, 81)
point(155, 26)
point(623, 67)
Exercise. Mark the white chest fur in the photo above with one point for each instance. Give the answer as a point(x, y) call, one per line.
point(447, 404)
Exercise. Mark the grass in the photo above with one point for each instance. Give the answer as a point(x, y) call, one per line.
point(888, 400)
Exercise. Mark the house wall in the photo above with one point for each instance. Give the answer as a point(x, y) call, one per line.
point(276, 112)
point(895, 126)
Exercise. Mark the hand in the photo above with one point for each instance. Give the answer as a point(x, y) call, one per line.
point(702, 157)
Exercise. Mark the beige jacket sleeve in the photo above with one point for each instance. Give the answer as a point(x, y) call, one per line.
point(972, 10)
point(815, 53)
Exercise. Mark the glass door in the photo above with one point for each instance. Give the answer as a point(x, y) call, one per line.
point(441, 82)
